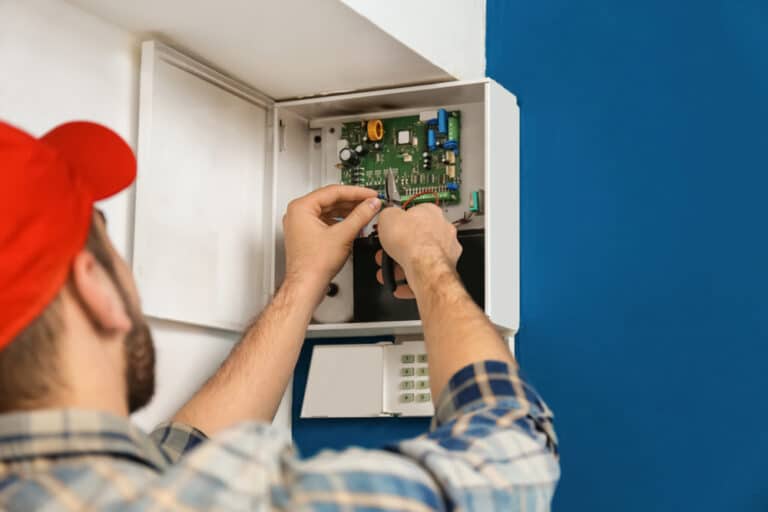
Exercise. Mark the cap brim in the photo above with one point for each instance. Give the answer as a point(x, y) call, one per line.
point(102, 159)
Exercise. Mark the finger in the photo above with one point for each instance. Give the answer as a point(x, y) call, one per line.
point(358, 218)
point(399, 275)
point(340, 209)
point(332, 194)
point(330, 221)
point(379, 256)
point(404, 292)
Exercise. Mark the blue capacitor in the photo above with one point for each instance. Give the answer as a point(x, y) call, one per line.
point(431, 140)
point(442, 121)
point(451, 144)
point(452, 186)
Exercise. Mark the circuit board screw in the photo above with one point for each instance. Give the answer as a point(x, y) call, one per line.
point(318, 139)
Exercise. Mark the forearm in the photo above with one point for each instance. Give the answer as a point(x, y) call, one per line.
point(456, 330)
point(250, 383)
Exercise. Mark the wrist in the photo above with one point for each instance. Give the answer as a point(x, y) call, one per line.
point(305, 287)
point(427, 269)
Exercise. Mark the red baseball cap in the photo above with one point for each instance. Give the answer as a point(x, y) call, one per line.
point(47, 190)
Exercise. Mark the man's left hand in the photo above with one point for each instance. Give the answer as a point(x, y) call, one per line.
point(316, 243)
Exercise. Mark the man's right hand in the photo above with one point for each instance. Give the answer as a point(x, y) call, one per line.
point(419, 238)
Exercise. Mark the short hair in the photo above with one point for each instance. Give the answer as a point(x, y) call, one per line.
point(29, 365)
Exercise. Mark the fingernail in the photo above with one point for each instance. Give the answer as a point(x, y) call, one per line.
point(374, 203)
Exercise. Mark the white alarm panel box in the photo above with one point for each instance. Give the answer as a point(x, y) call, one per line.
point(219, 162)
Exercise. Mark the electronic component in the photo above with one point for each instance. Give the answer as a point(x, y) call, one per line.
point(442, 121)
point(375, 130)
point(476, 200)
point(453, 133)
point(349, 157)
point(426, 161)
point(411, 147)
point(431, 139)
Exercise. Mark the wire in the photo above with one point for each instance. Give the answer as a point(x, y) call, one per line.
point(466, 219)
point(408, 201)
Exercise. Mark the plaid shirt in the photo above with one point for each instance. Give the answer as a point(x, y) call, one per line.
point(491, 447)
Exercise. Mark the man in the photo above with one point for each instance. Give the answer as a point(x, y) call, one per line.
point(76, 358)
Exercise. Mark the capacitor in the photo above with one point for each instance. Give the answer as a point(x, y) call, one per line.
point(431, 140)
point(348, 157)
point(453, 133)
point(442, 121)
point(452, 186)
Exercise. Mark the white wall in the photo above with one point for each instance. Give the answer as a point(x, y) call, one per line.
point(58, 63)
point(450, 33)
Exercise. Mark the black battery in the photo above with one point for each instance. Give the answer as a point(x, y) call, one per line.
point(373, 302)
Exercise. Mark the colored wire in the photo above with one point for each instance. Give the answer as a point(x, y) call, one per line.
point(466, 219)
point(408, 201)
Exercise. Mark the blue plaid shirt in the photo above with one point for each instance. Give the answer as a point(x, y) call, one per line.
point(491, 447)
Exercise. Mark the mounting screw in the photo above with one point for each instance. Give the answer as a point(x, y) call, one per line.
point(318, 139)
point(331, 130)
point(333, 290)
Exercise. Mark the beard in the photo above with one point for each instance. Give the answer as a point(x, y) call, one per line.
point(139, 350)
point(139, 364)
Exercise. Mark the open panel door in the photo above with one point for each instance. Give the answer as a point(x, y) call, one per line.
point(502, 194)
point(203, 192)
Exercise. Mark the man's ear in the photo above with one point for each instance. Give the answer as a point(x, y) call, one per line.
point(99, 293)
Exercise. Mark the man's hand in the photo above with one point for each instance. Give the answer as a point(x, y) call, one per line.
point(316, 244)
point(417, 237)
point(250, 383)
point(456, 331)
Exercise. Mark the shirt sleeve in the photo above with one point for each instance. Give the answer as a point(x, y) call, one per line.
point(491, 447)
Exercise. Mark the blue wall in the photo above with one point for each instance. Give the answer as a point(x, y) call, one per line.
point(644, 250)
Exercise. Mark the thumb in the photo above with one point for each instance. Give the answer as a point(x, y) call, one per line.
point(358, 218)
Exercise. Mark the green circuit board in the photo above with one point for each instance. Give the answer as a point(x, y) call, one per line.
point(405, 148)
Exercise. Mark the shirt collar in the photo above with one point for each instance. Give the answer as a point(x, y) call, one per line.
point(72, 432)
